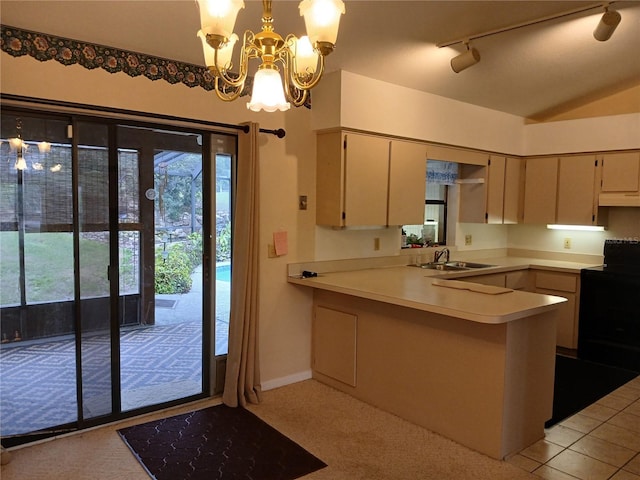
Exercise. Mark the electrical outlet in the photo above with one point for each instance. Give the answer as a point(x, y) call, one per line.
point(567, 243)
point(468, 239)
point(376, 243)
point(302, 202)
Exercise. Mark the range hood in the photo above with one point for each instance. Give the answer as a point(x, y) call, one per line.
point(619, 200)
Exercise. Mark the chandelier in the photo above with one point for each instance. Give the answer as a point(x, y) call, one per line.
point(302, 59)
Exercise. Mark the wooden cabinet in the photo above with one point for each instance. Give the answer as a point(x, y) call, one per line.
point(565, 285)
point(407, 183)
point(540, 190)
point(490, 194)
point(517, 280)
point(620, 172)
point(561, 190)
point(334, 344)
point(503, 189)
point(369, 180)
point(577, 190)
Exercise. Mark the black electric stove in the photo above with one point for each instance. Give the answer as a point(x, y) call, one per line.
point(609, 322)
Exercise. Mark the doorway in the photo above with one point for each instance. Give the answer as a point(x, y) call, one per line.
point(108, 240)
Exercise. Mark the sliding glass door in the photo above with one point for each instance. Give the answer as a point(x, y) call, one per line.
point(109, 248)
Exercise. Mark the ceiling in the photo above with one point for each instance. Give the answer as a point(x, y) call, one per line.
point(530, 71)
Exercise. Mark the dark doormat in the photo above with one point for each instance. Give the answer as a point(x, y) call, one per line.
point(579, 383)
point(217, 443)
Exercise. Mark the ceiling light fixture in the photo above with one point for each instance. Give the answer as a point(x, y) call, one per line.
point(607, 25)
point(301, 58)
point(603, 31)
point(466, 59)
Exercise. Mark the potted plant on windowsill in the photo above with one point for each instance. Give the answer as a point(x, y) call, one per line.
point(414, 241)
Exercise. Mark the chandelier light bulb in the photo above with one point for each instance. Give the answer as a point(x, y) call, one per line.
point(219, 17)
point(15, 143)
point(306, 59)
point(21, 163)
point(44, 147)
point(300, 59)
point(268, 93)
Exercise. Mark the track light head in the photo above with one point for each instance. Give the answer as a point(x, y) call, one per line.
point(465, 59)
point(607, 25)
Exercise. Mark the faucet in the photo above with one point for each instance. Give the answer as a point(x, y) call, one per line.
point(439, 253)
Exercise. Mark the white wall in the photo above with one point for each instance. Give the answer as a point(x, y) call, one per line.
point(376, 106)
point(287, 169)
point(613, 132)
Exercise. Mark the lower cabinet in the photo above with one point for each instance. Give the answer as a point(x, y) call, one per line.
point(560, 284)
point(334, 344)
point(517, 280)
point(565, 285)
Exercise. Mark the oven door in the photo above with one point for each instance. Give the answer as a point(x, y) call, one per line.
point(609, 328)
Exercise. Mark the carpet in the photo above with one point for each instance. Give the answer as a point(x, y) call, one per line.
point(218, 442)
point(579, 383)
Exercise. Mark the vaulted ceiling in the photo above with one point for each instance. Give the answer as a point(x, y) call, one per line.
point(529, 71)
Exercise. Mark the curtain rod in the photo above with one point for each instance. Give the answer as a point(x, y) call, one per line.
point(280, 132)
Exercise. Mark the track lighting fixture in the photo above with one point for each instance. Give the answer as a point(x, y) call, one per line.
point(466, 59)
point(607, 25)
point(604, 30)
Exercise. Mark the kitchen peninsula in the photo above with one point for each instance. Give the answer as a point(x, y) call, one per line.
point(474, 363)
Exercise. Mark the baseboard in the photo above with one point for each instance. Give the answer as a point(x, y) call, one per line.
point(289, 379)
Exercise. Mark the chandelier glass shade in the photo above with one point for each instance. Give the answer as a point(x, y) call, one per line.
point(301, 59)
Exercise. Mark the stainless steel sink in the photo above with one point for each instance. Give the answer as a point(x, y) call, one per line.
point(453, 266)
point(469, 264)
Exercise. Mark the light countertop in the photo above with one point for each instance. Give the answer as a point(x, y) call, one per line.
point(414, 287)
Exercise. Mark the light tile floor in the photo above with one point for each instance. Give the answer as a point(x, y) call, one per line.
point(601, 442)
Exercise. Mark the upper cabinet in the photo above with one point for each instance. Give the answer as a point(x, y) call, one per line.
point(561, 190)
point(407, 183)
point(620, 183)
point(490, 194)
point(540, 190)
point(369, 180)
point(620, 172)
point(577, 190)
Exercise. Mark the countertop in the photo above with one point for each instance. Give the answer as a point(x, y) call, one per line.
point(414, 287)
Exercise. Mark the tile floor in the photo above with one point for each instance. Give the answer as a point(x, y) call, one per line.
point(601, 442)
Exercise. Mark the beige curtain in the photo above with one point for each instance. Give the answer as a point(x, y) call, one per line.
point(242, 381)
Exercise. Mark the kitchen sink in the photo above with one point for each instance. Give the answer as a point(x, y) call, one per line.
point(453, 266)
point(469, 264)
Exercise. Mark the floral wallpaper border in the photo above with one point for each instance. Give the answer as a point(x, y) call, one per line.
point(18, 42)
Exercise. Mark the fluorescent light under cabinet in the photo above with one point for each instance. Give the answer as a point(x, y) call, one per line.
point(584, 228)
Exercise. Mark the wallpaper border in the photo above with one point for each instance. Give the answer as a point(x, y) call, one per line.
point(18, 42)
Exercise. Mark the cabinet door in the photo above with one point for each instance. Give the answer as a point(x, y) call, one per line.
point(495, 189)
point(621, 172)
point(407, 183)
point(541, 181)
point(576, 190)
point(566, 326)
point(366, 180)
point(512, 176)
point(329, 179)
point(495, 279)
point(334, 344)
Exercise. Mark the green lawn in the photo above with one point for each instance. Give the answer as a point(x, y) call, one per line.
point(49, 267)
